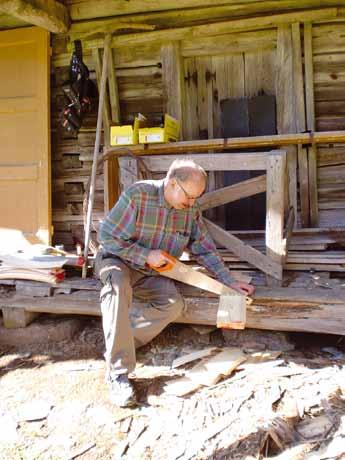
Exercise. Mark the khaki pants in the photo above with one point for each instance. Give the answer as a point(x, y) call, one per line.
point(127, 325)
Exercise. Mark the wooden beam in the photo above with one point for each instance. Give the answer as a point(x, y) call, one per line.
point(298, 78)
point(48, 14)
point(245, 252)
point(290, 223)
point(310, 112)
point(172, 78)
point(233, 192)
point(313, 186)
point(276, 167)
point(299, 98)
point(183, 147)
point(299, 309)
point(213, 162)
point(218, 28)
point(286, 118)
point(309, 77)
point(293, 314)
point(303, 184)
point(178, 14)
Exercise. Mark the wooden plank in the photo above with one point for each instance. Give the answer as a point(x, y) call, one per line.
point(218, 28)
point(190, 127)
point(286, 121)
point(286, 116)
point(310, 113)
point(213, 161)
point(298, 78)
point(245, 252)
point(276, 166)
point(303, 185)
point(233, 192)
point(290, 223)
point(173, 85)
point(300, 155)
point(236, 143)
point(313, 186)
point(48, 14)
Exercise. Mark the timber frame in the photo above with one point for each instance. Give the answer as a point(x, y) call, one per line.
point(273, 182)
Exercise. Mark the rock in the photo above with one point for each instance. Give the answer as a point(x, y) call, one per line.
point(34, 410)
point(8, 429)
point(254, 339)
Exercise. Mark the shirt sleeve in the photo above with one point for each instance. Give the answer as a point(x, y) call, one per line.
point(204, 249)
point(117, 232)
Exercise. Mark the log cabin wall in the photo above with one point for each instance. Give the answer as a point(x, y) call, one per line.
point(329, 81)
point(214, 67)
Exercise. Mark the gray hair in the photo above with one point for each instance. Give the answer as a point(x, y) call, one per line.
point(184, 170)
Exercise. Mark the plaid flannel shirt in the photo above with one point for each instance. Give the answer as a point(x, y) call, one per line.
point(142, 220)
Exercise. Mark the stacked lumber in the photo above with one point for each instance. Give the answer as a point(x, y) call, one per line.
point(38, 263)
point(47, 271)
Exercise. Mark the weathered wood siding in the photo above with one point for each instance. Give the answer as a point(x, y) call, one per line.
point(329, 85)
point(214, 67)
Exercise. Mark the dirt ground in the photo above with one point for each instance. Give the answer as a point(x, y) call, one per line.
point(55, 404)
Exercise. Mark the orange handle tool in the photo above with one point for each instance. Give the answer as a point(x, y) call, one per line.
point(171, 262)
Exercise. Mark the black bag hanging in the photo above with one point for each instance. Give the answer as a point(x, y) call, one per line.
point(77, 90)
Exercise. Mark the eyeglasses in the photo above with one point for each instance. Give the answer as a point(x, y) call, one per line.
point(187, 194)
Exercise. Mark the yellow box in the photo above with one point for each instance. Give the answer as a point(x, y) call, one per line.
point(169, 133)
point(126, 134)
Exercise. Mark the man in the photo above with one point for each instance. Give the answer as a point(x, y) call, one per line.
point(150, 217)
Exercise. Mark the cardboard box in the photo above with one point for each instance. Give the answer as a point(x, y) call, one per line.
point(127, 134)
point(169, 133)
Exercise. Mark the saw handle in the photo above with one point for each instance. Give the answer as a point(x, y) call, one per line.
point(171, 262)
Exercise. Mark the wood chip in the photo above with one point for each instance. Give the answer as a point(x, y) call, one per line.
point(210, 371)
point(192, 356)
point(318, 427)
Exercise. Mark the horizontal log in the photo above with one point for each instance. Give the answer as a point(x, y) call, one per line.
point(213, 161)
point(48, 14)
point(230, 43)
point(282, 309)
point(169, 13)
point(217, 28)
point(233, 143)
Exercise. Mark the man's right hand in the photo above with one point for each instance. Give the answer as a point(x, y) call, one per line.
point(156, 258)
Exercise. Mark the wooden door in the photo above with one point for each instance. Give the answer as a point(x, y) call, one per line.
point(25, 192)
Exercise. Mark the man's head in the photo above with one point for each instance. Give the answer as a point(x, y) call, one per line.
point(184, 183)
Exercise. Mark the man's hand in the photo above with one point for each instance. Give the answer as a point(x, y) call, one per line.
point(156, 258)
point(243, 288)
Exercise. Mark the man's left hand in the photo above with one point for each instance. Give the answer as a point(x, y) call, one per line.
point(243, 288)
